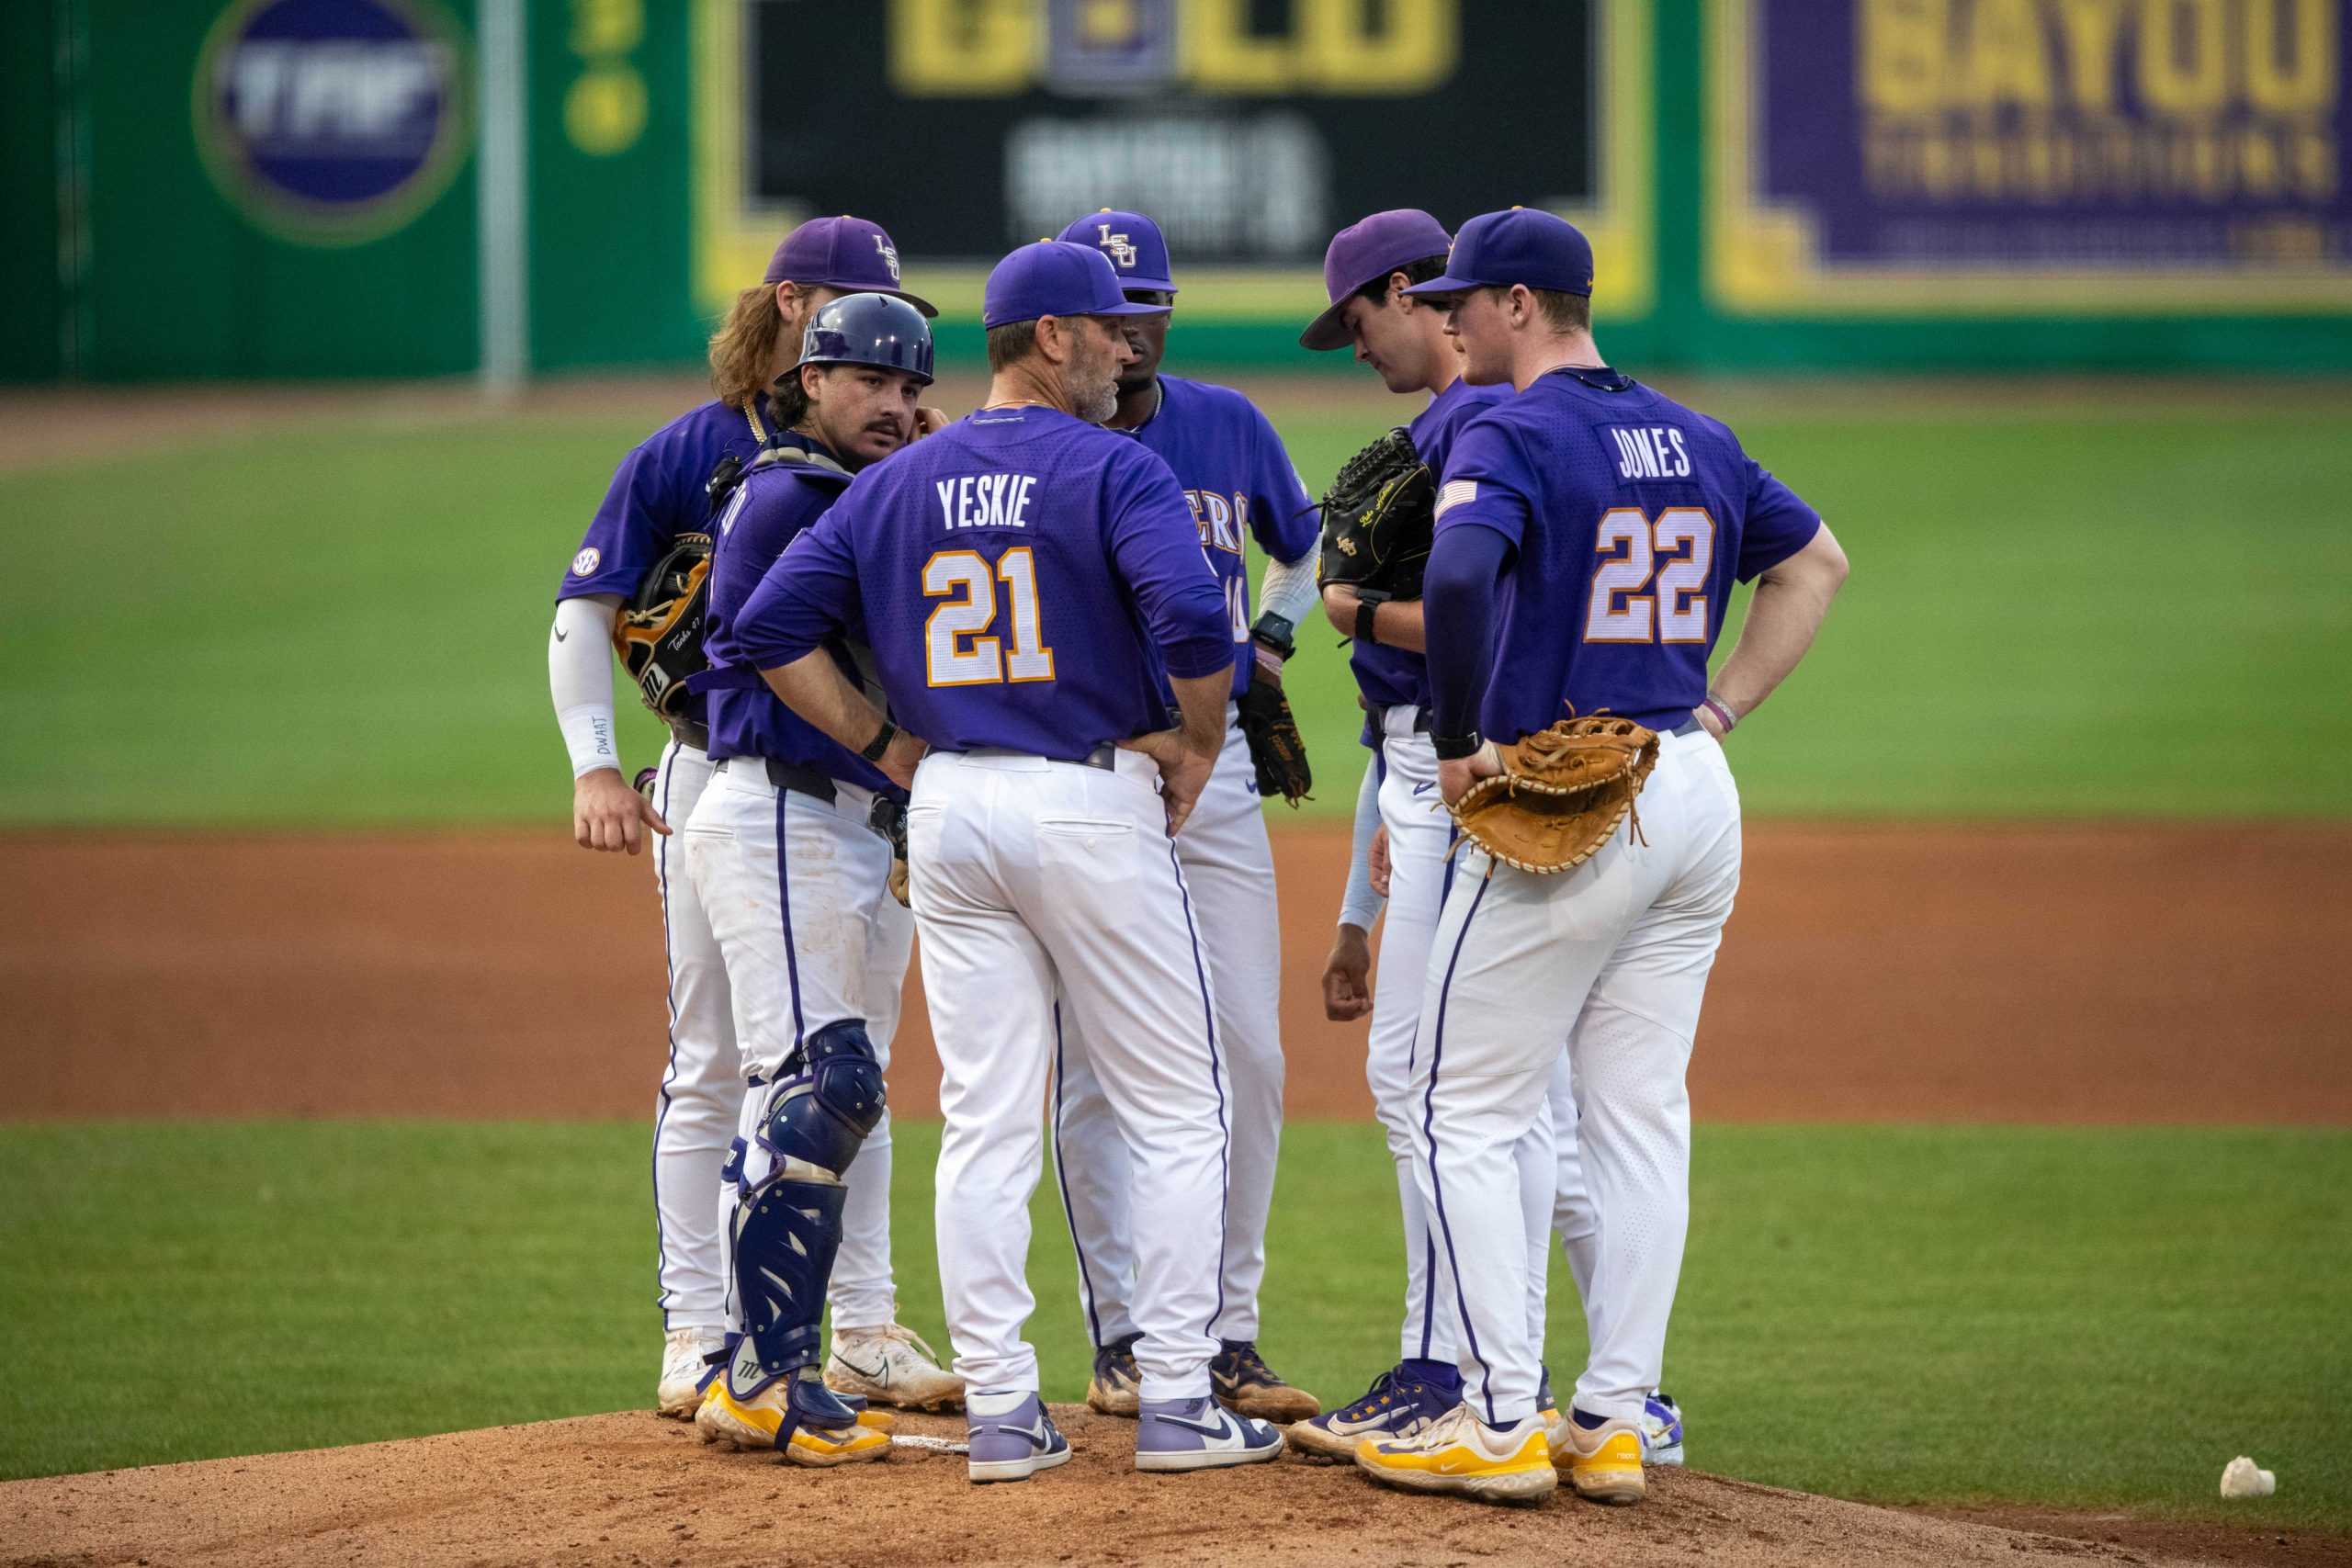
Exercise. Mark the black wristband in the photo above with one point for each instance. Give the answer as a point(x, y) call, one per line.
point(1367, 619)
point(881, 742)
point(1454, 748)
point(1276, 632)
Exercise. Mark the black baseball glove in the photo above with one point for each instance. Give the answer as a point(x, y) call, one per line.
point(658, 632)
point(1378, 519)
point(1276, 752)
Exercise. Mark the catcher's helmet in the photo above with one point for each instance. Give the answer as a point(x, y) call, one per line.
point(869, 328)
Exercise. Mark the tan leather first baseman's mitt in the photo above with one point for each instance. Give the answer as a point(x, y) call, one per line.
point(1561, 793)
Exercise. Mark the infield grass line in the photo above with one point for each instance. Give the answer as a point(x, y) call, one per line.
point(2075, 1318)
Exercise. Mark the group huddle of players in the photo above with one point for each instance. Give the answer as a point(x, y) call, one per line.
point(999, 679)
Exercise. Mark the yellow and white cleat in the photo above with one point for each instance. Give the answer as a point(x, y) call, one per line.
point(1603, 1462)
point(819, 1436)
point(1461, 1454)
point(685, 1363)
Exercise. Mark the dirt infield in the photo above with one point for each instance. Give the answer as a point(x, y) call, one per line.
point(1885, 972)
point(634, 1489)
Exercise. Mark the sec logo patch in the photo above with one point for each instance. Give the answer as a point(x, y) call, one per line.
point(585, 562)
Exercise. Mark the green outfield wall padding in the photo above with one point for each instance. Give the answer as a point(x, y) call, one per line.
point(31, 326)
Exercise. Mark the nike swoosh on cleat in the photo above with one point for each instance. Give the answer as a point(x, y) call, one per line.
point(871, 1374)
point(1219, 1429)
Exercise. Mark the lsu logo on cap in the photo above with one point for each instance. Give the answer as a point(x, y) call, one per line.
point(585, 562)
point(1116, 246)
point(890, 256)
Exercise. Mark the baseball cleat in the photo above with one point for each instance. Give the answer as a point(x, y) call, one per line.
point(685, 1369)
point(1603, 1458)
point(1116, 1386)
point(1246, 1385)
point(1461, 1454)
point(1396, 1406)
point(891, 1365)
point(1200, 1434)
point(1015, 1445)
point(1661, 1429)
point(823, 1430)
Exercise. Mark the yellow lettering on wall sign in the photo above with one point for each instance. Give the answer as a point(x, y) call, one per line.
point(1414, 51)
point(2090, 28)
point(1902, 52)
point(2184, 55)
point(2304, 82)
point(963, 47)
point(1222, 55)
point(606, 26)
point(2004, 55)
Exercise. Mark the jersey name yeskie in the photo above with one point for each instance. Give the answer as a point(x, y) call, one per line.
point(986, 501)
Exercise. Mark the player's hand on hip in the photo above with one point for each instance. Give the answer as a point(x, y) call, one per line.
point(1184, 773)
point(1346, 976)
point(1456, 774)
point(901, 757)
point(607, 815)
point(1377, 859)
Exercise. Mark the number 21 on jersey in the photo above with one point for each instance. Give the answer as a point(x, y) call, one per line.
point(957, 651)
point(1651, 584)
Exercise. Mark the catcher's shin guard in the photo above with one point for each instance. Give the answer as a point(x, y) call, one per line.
point(788, 1222)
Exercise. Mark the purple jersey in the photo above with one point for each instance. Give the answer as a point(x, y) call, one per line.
point(1022, 577)
point(1390, 676)
point(775, 502)
point(660, 492)
point(1238, 480)
point(1628, 517)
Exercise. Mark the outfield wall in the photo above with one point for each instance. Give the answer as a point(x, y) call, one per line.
point(287, 187)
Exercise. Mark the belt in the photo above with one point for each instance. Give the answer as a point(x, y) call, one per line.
point(690, 733)
point(1689, 727)
point(784, 776)
point(1380, 716)
point(1105, 756)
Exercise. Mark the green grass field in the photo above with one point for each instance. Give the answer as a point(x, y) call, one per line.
point(348, 624)
point(1906, 1314)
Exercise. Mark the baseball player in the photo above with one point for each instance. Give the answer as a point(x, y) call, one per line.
point(1590, 534)
point(1034, 590)
point(1239, 483)
point(790, 853)
point(1366, 271)
point(664, 490)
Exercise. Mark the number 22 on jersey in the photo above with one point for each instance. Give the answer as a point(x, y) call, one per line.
point(958, 650)
point(1651, 584)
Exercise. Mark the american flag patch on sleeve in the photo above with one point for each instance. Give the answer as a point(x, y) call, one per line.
point(1455, 493)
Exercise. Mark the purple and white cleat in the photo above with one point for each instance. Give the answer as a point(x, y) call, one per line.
point(1011, 1445)
point(1200, 1434)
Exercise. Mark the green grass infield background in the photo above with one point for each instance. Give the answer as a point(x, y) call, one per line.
point(2081, 1318)
point(2057, 604)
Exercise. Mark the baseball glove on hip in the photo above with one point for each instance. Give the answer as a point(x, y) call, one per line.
point(658, 633)
point(1561, 793)
point(1378, 519)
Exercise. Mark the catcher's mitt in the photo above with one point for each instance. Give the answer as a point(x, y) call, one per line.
point(1378, 519)
point(888, 818)
point(658, 632)
point(1275, 751)
point(1561, 793)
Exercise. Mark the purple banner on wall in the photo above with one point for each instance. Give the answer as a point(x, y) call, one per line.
point(2136, 137)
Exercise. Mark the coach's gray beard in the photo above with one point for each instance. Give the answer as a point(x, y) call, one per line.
point(1097, 401)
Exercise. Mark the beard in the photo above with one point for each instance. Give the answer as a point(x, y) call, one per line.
point(1094, 392)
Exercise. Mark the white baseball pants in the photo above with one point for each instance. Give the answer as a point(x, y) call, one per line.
point(702, 1085)
point(1033, 879)
point(1623, 946)
point(812, 936)
point(1229, 867)
point(1420, 832)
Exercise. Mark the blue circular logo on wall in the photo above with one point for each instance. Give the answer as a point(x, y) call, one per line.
point(332, 122)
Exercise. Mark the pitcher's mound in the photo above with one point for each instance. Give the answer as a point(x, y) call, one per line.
point(634, 1489)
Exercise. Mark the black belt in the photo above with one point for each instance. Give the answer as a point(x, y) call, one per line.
point(1105, 757)
point(1380, 717)
point(1690, 726)
point(689, 733)
point(784, 776)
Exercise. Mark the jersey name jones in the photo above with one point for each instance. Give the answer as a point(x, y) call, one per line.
point(1650, 452)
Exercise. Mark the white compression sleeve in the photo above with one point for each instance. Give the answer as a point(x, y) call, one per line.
point(1289, 589)
point(579, 678)
point(1360, 906)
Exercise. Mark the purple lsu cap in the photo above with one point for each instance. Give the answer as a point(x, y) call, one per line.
point(1365, 251)
point(1056, 277)
point(1138, 251)
point(1522, 246)
point(847, 253)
